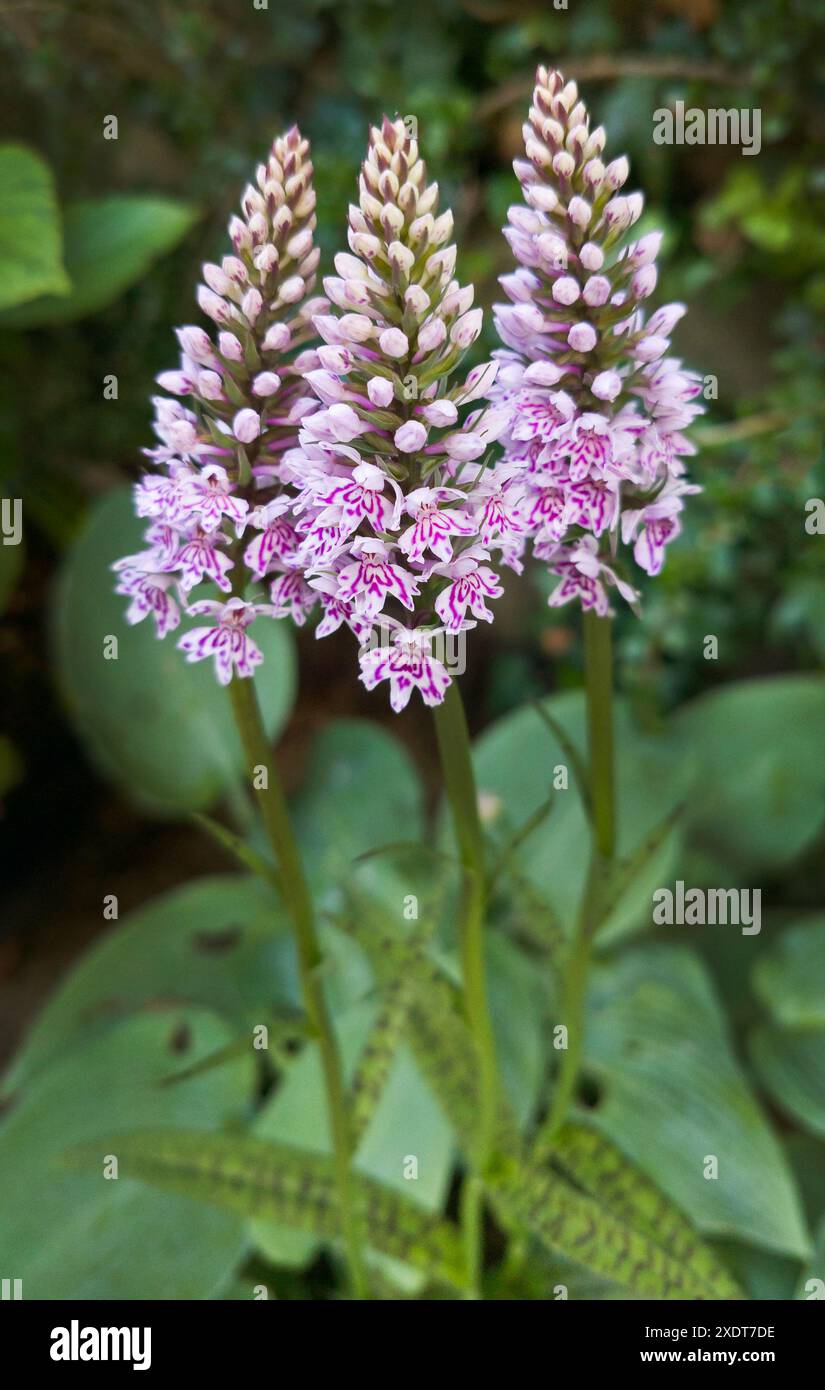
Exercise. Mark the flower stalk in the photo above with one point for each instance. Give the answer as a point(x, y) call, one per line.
point(599, 685)
point(298, 903)
point(456, 762)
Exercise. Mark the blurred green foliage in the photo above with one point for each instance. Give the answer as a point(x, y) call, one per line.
point(683, 1039)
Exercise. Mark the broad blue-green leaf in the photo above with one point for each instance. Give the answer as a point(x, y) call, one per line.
point(361, 791)
point(789, 1051)
point(790, 1064)
point(81, 1235)
point(789, 979)
point(672, 1095)
point(759, 789)
point(110, 243)
point(517, 1003)
point(812, 1283)
point(515, 761)
point(158, 727)
point(30, 233)
point(217, 942)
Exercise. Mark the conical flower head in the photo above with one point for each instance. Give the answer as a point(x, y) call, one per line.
point(239, 396)
point(398, 510)
point(596, 407)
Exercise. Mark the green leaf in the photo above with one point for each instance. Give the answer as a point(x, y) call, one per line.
point(518, 1003)
point(812, 1281)
point(157, 726)
point(604, 1173)
point(515, 761)
point(360, 785)
point(670, 1094)
point(110, 244)
point(582, 1229)
point(788, 1053)
point(79, 1236)
point(759, 793)
point(791, 1066)
point(218, 942)
point(30, 235)
point(438, 1033)
point(405, 1123)
point(576, 762)
point(256, 1178)
point(789, 979)
point(377, 1056)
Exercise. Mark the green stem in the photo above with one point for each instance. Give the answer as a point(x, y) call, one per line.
point(459, 779)
point(598, 660)
point(599, 681)
point(298, 903)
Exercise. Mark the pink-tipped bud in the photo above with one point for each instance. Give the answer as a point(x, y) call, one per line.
point(355, 328)
point(213, 306)
point(566, 290)
point(466, 329)
point(591, 256)
point(606, 386)
point(230, 347)
point(380, 391)
point(596, 291)
point(394, 343)
point(644, 281)
point(646, 249)
point(292, 289)
point(564, 164)
point(417, 299)
point(579, 211)
point(401, 256)
point(266, 384)
point(432, 335)
point(464, 446)
point(617, 172)
point(246, 426)
point(543, 374)
point(650, 348)
point(410, 437)
point(210, 386)
point(216, 279)
point(582, 337)
point(252, 304)
point(195, 343)
point(441, 413)
point(277, 338)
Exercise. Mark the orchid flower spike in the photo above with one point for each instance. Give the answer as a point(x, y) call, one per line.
point(596, 409)
point(233, 409)
point(394, 502)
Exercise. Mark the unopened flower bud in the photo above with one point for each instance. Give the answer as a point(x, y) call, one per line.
point(246, 426)
point(266, 384)
point(410, 437)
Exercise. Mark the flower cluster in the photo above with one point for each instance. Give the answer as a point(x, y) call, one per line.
point(596, 409)
point(215, 508)
point(396, 508)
